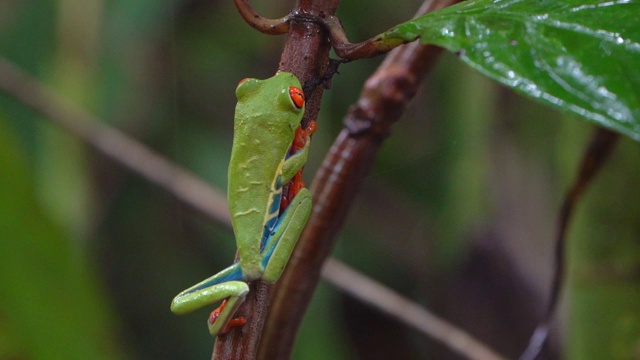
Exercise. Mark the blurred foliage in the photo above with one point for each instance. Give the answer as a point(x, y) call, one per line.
point(49, 299)
point(91, 256)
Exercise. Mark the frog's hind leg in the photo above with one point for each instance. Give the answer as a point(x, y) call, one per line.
point(226, 284)
point(280, 244)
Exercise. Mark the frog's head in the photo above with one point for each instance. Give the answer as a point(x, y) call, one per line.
point(280, 95)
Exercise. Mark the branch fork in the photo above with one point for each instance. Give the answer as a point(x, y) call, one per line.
point(376, 45)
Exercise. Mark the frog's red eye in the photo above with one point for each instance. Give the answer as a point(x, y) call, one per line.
point(297, 96)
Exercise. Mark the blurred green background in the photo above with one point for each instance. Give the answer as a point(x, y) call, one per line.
point(458, 213)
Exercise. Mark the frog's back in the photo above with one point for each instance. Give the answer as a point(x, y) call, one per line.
point(262, 136)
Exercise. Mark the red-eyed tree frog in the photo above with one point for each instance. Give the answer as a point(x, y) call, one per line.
point(268, 113)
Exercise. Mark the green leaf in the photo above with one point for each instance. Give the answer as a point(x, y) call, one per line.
point(576, 55)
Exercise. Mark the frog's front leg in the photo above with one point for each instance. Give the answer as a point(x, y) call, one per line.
point(280, 244)
point(294, 163)
point(225, 284)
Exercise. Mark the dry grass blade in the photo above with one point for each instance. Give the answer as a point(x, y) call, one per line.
point(138, 158)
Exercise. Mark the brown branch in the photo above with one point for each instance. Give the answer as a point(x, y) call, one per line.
point(375, 46)
point(262, 24)
point(382, 101)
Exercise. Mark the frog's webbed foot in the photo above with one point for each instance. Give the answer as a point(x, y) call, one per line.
point(227, 285)
point(235, 322)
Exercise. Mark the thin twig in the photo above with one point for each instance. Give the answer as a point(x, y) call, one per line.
point(406, 311)
point(167, 175)
point(594, 158)
point(138, 158)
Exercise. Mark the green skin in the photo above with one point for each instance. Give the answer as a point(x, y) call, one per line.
point(265, 123)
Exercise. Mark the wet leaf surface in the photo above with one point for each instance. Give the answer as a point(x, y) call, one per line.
point(578, 56)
